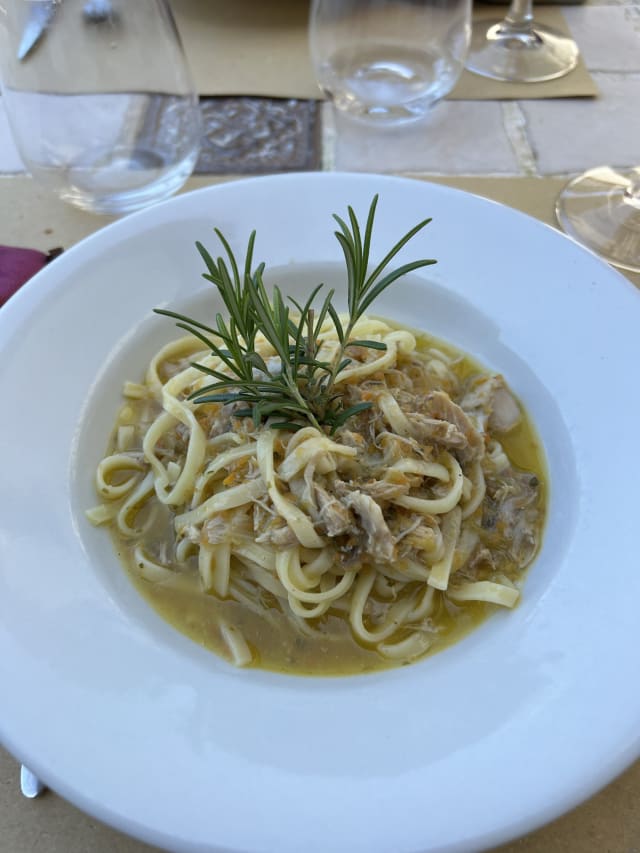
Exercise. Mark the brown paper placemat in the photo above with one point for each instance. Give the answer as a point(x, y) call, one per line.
point(609, 821)
point(577, 84)
point(249, 47)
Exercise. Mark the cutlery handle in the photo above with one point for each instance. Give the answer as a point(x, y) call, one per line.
point(30, 785)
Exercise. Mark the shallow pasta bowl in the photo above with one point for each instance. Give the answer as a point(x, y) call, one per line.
point(142, 728)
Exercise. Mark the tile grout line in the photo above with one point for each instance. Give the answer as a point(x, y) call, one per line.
point(328, 137)
point(515, 126)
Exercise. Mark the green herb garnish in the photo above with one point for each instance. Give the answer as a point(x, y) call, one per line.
point(300, 389)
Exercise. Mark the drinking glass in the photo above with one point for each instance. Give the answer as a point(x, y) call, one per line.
point(388, 61)
point(520, 50)
point(99, 99)
point(601, 209)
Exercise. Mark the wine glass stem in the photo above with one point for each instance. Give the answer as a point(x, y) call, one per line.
point(519, 18)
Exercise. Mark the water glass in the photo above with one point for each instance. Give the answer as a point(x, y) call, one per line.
point(99, 99)
point(388, 61)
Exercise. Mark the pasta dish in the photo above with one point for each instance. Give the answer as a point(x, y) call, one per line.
point(409, 510)
point(313, 550)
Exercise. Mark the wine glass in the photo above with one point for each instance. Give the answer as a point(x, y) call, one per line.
point(520, 50)
point(601, 210)
point(100, 100)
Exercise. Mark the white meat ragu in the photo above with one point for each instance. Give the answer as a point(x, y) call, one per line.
point(395, 447)
point(492, 405)
point(438, 423)
point(332, 515)
point(381, 490)
point(505, 414)
point(437, 431)
point(380, 543)
point(441, 406)
point(277, 534)
point(511, 512)
point(350, 508)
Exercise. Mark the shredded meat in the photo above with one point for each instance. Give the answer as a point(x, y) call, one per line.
point(438, 432)
point(380, 544)
point(511, 513)
point(225, 527)
point(395, 447)
point(221, 422)
point(278, 534)
point(332, 515)
point(352, 499)
point(350, 438)
point(441, 406)
point(480, 561)
point(380, 490)
point(492, 404)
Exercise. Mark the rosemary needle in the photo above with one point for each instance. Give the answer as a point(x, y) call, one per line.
point(301, 388)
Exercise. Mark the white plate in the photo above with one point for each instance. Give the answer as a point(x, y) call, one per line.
point(145, 730)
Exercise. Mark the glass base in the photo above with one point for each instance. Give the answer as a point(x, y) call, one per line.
point(382, 115)
point(600, 210)
point(388, 83)
point(520, 54)
point(113, 183)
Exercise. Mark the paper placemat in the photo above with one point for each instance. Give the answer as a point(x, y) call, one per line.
point(609, 821)
point(577, 84)
point(249, 47)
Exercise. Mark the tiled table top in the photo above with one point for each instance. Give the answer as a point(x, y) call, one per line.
point(532, 137)
point(505, 138)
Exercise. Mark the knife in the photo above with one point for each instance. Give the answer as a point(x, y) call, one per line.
point(41, 14)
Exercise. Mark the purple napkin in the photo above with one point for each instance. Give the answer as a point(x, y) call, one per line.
point(18, 265)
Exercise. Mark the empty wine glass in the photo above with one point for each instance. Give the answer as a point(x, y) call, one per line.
point(99, 99)
point(601, 209)
point(520, 50)
point(388, 61)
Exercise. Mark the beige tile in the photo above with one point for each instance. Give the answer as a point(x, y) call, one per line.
point(608, 37)
point(460, 137)
point(575, 134)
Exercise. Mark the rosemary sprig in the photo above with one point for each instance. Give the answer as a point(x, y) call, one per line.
point(296, 387)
